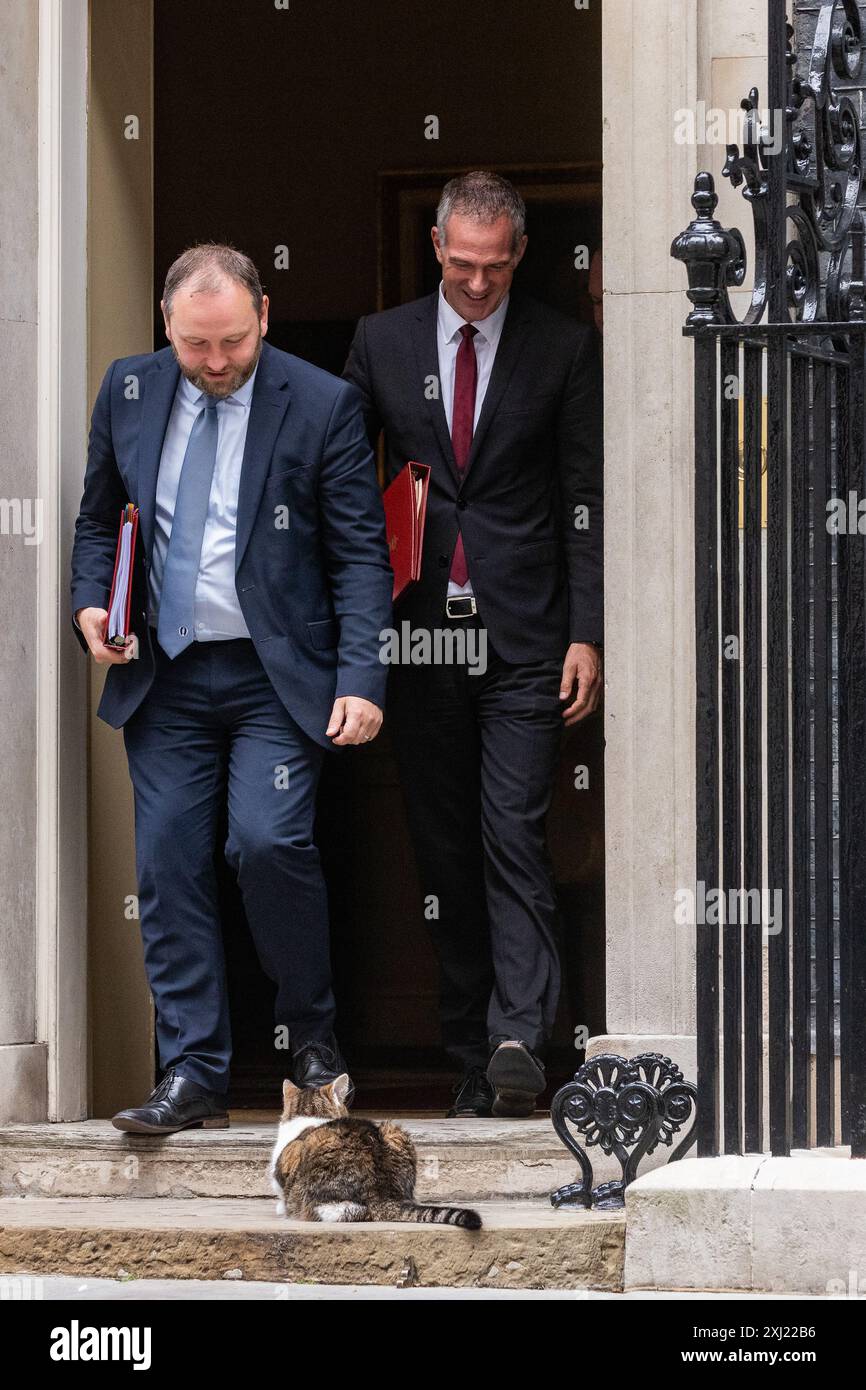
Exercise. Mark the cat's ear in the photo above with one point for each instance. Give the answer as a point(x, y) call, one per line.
point(340, 1088)
point(289, 1090)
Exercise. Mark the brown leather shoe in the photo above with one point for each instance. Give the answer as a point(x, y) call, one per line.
point(176, 1103)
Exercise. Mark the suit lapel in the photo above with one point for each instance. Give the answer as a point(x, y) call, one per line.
point(159, 387)
point(425, 340)
point(506, 359)
point(269, 402)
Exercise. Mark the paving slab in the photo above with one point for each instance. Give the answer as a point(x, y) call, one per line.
point(483, 1159)
point(523, 1244)
point(50, 1288)
point(750, 1222)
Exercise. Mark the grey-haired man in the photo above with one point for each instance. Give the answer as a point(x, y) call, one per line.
point(501, 396)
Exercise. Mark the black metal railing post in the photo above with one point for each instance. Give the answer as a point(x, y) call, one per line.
point(707, 731)
point(852, 729)
point(732, 866)
point(778, 567)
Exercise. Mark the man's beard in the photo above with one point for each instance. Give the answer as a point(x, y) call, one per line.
point(227, 385)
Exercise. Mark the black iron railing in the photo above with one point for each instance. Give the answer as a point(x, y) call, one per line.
point(780, 624)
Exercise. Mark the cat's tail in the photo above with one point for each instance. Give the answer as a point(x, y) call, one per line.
point(423, 1212)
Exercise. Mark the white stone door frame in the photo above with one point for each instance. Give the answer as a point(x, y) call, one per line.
point(659, 57)
point(61, 712)
point(650, 57)
point(653, 53)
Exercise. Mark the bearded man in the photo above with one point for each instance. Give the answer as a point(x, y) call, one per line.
point(260, 585)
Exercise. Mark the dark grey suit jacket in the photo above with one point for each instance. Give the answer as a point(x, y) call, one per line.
point(530, 501)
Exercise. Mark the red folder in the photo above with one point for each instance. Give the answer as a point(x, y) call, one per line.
point(405, 501)
point(117, 625)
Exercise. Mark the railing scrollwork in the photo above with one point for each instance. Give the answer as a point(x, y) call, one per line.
point(820, 126)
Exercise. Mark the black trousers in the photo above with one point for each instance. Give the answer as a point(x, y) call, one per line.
point(477, 755)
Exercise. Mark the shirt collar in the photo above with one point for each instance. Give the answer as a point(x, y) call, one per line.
point(450, 321)
point(241, 397)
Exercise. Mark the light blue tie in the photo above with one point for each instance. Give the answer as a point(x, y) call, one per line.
point(175, 624)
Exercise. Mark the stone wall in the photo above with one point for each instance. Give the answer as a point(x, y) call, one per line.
point(22, 1065)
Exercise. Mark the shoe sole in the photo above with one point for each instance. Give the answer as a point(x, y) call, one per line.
point(139, 1127)
point(516, 1080)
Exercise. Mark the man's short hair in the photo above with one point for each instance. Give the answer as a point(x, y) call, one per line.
point(484, 197)
point(208, 265)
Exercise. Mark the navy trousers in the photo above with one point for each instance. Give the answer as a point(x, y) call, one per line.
point(212, 731)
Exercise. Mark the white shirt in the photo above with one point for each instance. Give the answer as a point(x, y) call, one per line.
point(485, 342)
point(217, 615)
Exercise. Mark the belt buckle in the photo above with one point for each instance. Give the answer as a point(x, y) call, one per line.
point(468, 612)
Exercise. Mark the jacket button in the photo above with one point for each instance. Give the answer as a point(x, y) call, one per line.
point(443, 561)
point(462, 503)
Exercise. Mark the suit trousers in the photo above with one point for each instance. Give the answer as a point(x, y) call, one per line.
point(212, 732)
point(477, 755)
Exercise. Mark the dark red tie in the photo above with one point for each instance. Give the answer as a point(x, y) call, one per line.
point(462, 426)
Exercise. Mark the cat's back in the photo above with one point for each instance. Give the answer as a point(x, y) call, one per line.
point(352, 1144)
point(348, 1132)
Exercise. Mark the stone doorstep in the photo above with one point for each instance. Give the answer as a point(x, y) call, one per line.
point(522, 1244)
point(752, 1221)
point(477, 1159)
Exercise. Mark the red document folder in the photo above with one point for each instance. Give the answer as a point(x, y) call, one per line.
point(117, 627)
point(405, 502)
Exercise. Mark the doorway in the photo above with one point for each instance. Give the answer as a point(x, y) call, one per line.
point(304, 137)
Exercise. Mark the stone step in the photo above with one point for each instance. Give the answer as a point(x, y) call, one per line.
point(484, 1160)
point(523, 1244)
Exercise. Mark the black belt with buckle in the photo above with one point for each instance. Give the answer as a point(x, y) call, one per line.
point(462, 606)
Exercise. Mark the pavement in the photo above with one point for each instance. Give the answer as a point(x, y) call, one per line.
point(65, 1288)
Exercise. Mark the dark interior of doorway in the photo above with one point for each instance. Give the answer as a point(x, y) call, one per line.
point(295, 128)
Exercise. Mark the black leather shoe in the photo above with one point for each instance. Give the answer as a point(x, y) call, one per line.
point(517, 1077)
point(176, 1103)
point(473, 1095)
point(317, 1063)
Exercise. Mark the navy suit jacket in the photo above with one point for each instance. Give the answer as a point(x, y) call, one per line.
point(536, 458)
point(314, 594)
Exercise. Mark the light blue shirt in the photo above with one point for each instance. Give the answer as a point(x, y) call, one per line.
point(217, 614)
point(485, 342)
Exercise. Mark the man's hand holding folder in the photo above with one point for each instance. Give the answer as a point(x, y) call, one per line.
point(107, 631)
point(92, 622)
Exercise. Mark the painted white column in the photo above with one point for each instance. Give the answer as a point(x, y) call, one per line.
point(22, 1053)
point(60, 703)
point(43, 345)
point(659, 57)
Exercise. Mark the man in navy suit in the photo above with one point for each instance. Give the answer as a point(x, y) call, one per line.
point(260, 586)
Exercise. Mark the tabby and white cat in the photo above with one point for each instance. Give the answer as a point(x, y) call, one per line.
point(329, 1166)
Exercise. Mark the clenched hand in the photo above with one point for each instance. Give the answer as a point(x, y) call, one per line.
point(581, 672)
point(354, 720)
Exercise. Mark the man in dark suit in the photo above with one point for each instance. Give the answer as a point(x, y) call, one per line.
point(501, 396)
point(261, 583)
